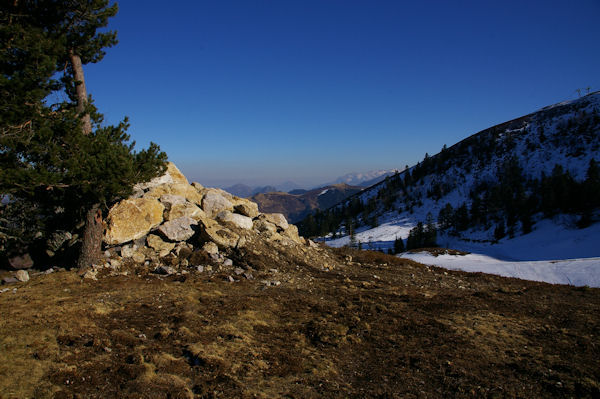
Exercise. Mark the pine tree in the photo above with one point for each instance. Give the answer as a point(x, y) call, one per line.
point(398, 245)
point(500, 230)
point(430, 232)
point(58, 157)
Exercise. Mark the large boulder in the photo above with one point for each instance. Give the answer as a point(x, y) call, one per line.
point(161, 247)
point(276, 218)
point(23, 261)
point(214, 202)
point(246, 208)
point(171, 175)
point(264, 226)
point(179, 229)
point(220, 235)
point(186, 209)
point(179, 189)
point(131, 219)
point(227, 218)
point(292, 233)
point(168, 200)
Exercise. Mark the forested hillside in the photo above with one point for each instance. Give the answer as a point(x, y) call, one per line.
point(496, 183)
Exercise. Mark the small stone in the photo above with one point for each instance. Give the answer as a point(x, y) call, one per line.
point(127, 251)
point(22, 276)
point(211, 248)
point(183, 250)
point(139, 257)
point(164, 270)
point(184, 263)
point(227, 262)
point(230, 279)
point(238, 270)
point(273, 283)
point(200, 269)
point(90, 274)
point(248, 276)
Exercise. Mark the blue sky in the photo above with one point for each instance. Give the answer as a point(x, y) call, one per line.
point(261, 92)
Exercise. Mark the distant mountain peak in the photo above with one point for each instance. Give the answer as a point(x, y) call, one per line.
point(363, 179)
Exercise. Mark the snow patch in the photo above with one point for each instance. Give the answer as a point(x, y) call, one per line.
point(578, 272)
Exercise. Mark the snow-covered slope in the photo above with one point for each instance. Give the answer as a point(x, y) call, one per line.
point(466, 174)
point(579, 272)
point(364, 179)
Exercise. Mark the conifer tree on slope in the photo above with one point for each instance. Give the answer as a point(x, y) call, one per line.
point(50, 153)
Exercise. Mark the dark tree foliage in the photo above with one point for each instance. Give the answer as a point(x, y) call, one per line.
point(422, 235)
point(48, 161)
point(398, 245)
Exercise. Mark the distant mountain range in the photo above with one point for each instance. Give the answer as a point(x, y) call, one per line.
point(245, 191)
point(296, 204)
point(365, 179)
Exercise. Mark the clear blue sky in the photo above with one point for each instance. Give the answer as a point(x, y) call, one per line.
point(260, 92)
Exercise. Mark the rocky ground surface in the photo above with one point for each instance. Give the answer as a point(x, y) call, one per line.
point(295, 321)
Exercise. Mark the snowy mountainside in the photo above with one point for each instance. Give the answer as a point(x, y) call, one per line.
point(495, 186)
point(364, 179)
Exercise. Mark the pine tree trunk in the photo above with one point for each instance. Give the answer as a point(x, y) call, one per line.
point(81, 91)
point(92, 238)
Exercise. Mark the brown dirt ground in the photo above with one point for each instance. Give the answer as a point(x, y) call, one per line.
point(373, 326)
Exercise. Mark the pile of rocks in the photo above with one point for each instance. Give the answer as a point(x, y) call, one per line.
point(168, 220)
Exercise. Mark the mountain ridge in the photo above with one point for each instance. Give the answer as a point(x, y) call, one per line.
point(474, 178)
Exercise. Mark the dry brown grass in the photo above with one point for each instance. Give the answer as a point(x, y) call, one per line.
point(377, 326)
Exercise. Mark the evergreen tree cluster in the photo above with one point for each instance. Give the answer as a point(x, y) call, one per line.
point(423, 235)
point(514, 200)
point(58, 161)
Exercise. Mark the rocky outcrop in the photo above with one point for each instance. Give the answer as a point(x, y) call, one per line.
point(179, 189)
point(171, 222)
point(171, 175)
